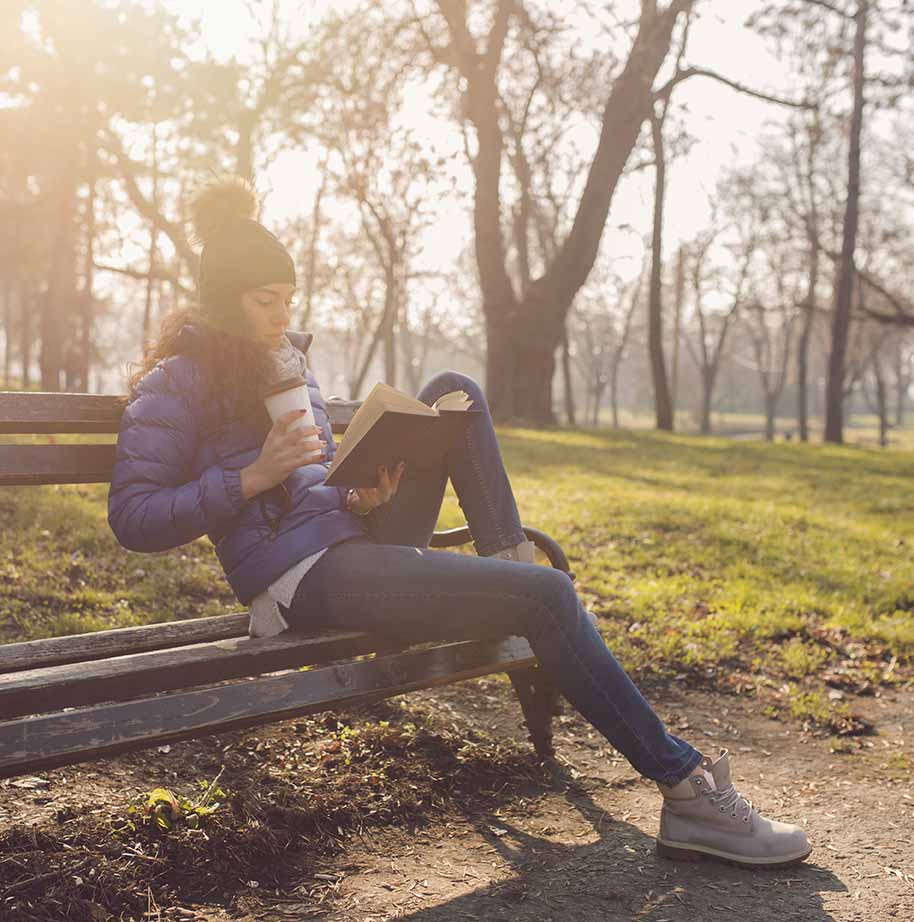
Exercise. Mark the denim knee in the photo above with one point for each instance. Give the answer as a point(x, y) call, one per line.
point(446, 381)
point(556, 601)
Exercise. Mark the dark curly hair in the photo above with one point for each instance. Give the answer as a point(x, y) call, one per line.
point(232, 363)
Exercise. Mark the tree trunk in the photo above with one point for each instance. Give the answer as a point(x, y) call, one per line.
point(311, 261)
point(390, 344)
point(771, 406)
point(901, 386)
point(803, 378)
point(377, 338)
point(834, 404)
point(60, 296)
point(566, 378)
point(7, 332)
point(153, 243)
point(809, 316)
point(707, 392)
point(677, 329)
point(87, 297)
point(25, 335)
point(614, 395)
point(663, 406)
point(410, 362)
point(519, 371)
point(882, 403)
point(520, 365)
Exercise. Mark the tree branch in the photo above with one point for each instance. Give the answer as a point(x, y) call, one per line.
point(129, 170)
point(904, 310)
point(665, 91)
point(139, 275)
point(825, 5)
point(497, 36)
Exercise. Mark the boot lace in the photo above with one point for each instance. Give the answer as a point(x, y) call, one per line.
point(729, 798)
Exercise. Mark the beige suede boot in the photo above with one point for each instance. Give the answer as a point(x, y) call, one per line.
point(705, 817)
point(523, 553)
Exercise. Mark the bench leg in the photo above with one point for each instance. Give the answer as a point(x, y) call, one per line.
point(539, 700)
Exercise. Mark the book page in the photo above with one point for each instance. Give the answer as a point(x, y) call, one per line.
point(455, 400)
point(382, 397)
point(393, 399)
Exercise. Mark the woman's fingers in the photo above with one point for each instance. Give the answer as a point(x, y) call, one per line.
point(283, 422)
point(398, 475)
point(305, 433)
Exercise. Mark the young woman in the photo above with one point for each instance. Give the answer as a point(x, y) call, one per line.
point(197, 454)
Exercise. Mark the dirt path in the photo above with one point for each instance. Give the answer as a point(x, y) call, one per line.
point(584, 849)
point(580, 847)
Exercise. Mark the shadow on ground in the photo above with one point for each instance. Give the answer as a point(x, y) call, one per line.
point(617, 875)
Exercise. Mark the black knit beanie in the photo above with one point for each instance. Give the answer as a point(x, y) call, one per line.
point(239, 253)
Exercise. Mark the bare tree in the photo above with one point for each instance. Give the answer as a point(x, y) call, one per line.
point(875, 385)
point(602, 324)
point(712, 324)
point(524, 327)
point(859, 28)
point(902, 363)
point(771, 326)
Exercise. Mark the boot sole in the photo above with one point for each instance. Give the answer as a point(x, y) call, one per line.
point(702, 853)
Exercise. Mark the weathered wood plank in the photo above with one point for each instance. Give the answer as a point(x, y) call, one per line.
point(30, 465)
point(75, 648)
point(34, 412)
point(25, 412)
point(120, 678)
point(341, 413)
point(35, 743)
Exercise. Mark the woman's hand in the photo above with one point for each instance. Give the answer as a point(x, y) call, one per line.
point(363, 500)
point(284, 450)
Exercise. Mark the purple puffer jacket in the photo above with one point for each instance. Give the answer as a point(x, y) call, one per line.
point(177, 476)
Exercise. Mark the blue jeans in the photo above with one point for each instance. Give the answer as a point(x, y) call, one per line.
point(392, 584)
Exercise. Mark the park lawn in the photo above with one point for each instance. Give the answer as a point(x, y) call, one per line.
point(704, 558)
point(709, 557)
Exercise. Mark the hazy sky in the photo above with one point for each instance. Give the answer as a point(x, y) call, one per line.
point(725, 124)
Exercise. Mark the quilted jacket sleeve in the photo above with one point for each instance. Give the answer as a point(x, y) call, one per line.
point(155, 501)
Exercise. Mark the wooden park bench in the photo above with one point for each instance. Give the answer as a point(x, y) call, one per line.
point(81, 697)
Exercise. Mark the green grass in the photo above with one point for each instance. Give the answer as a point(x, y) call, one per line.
point(695, 550)
point(697, 554)
point(63, 572)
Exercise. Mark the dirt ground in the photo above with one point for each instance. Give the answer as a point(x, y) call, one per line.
point(583, 850)
point(576, 845)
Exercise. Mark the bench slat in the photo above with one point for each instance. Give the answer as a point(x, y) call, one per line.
point(30, 465)
point(37, 691)
point(35, 743)
point(75, 648)
point(32, 412)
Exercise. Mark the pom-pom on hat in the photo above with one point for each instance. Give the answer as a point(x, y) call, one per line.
point(239, 253)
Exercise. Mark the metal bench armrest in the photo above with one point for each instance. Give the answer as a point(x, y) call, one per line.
point(455, 537)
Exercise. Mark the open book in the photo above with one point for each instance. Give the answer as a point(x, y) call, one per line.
point(390, 427)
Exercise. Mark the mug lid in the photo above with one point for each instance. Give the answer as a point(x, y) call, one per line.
point(287, 384)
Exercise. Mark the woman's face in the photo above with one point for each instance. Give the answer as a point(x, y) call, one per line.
point(268, 311)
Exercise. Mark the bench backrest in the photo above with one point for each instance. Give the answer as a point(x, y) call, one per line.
point(34, 413)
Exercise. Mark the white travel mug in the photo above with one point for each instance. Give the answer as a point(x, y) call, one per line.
point(292, 394)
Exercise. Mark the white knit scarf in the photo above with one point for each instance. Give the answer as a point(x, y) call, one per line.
point(287, 362)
